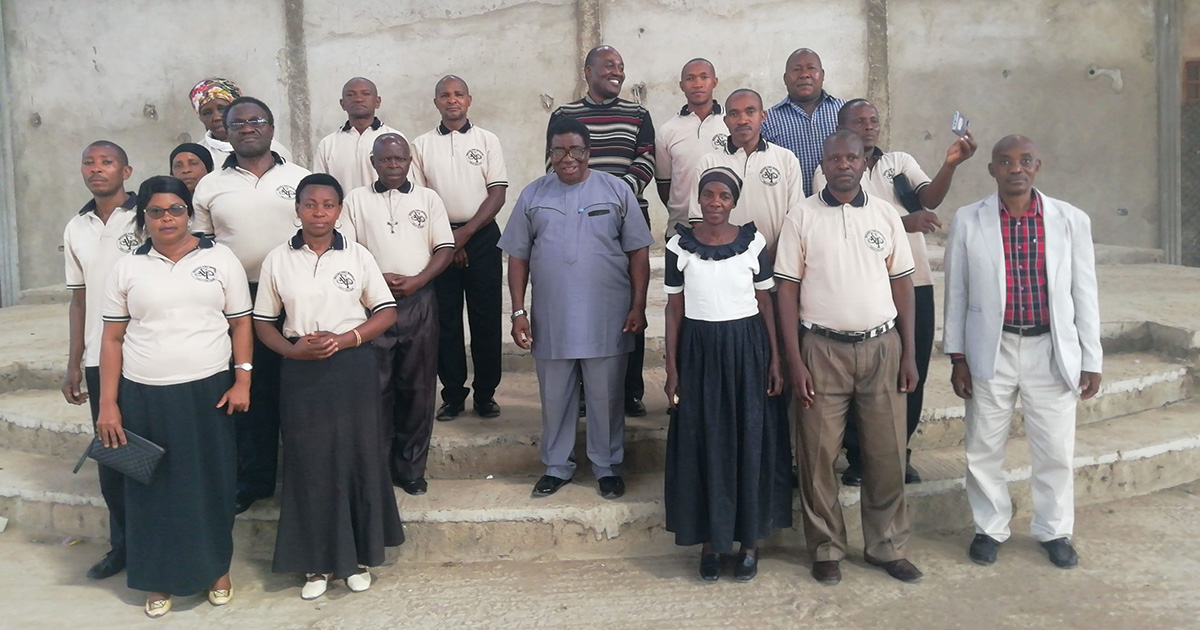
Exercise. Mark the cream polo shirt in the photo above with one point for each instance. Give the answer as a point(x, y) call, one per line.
point(346, 154)
point(844, 256)
point(878, 183)
point(247, 214)
point(91, 248)
point(177, 312)
point(330, 292)
point(401, 228)
point(771, 186)
point(221, 150)
point(678, 147)
point(460, 166)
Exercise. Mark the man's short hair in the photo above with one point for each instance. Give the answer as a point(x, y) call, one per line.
point(109, 144)
point(741, 91)
point(567, 125)
point(242, 100)
point(437, 88)
point(591, 55)
point(844, 112)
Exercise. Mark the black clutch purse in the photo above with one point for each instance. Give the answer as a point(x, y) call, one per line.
point(905, 193)
point(137, 458)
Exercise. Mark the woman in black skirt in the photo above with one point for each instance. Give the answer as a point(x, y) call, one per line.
point(175, 312)
point(728, 454)
point(338, 511)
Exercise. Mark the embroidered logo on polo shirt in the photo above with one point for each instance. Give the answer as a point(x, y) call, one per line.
point(769, 175)
point(205, 273)
point(475, 157)
point(344, 280)
point(128, 242)
point(720, 141)
point(876, 240)
point(889, 174)
point(418, 218)
point(285, 191)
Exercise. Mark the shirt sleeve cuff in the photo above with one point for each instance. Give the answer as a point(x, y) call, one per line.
point(900, 275)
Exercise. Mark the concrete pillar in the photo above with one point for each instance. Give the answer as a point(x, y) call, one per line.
point(1168, 24)
point(590, 33)
point(878, 89)
point(10, 280)
point(296, 77)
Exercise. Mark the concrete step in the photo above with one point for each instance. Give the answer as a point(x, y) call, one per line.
point(41, 422)
point(489, 519)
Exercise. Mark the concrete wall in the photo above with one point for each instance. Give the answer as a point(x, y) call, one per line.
point(89, 73)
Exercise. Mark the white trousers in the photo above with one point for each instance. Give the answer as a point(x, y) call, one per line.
point(1025, 370)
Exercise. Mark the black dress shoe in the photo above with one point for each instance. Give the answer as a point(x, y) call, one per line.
point(1062, 554)
point(983, 550)
point(111, 564)
point(611, 487)
point(747, 566)
point(901, 569)
point(449, 411)
point(548, 485)
point(853, 476)
point(911, 475)
point(710, 567)
point(415, 487)
point(634, 408)
point(243, 502)
point(827, 572)
point(487, 408)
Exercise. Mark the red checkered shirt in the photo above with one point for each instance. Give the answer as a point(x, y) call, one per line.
point(1027, 300)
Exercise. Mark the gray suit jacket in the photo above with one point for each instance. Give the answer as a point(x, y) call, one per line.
point(976, 292)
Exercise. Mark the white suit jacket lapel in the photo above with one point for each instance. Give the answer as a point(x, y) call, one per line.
point(1056, 233)
point(989, 219)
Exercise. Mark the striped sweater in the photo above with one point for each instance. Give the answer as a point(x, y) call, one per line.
point(622, 140)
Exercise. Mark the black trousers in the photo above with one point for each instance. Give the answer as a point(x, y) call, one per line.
point(112, 483)
point(923, 331)
point(408, 383)
point(258, 428)
point(480, 282)
point(635, 386)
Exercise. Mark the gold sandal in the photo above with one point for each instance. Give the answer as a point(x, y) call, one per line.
point(220, 596)
point(157, 608)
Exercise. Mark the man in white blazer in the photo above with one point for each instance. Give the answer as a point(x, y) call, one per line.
point(1022, 322)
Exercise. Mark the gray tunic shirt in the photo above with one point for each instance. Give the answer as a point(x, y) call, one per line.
point(576, 239)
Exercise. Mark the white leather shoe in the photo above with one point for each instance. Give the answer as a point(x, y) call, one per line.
point(360, 581)
point(315, 588)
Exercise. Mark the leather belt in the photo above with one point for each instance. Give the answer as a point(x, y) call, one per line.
point(848, 336)
point(1028, 331)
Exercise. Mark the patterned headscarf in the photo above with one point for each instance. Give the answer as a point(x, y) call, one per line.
point(725, 176)
point(213, 88)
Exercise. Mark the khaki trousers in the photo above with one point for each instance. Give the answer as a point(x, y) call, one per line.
point(862, 376)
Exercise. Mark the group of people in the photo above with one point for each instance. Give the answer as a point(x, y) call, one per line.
point(796, 272)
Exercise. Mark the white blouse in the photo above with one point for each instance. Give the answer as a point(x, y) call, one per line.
point(718, 281)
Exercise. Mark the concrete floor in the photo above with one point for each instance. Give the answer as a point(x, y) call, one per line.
point(1140, 559)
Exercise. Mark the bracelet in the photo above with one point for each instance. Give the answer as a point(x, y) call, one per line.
point(357, 337)
point(517, 313)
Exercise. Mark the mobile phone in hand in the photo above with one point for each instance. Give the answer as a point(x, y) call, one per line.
point(959, 124)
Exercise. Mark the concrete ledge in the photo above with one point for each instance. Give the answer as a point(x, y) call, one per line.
point(477, 520)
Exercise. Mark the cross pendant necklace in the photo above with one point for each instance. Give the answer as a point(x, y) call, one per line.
point(392, 222)
point(392, 225)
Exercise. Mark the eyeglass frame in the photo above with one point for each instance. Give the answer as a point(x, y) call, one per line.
point(575, 152)
point(255, 123)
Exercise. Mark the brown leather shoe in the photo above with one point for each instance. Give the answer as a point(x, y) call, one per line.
point(827, 572)
point(901, 569)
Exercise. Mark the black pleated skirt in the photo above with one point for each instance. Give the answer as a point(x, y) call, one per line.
point(338, 510)
point(728, 474)
point(179, 529)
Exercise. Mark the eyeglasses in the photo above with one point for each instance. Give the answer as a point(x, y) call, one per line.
point(559, 153)
point(176, 210)
point(253, 122)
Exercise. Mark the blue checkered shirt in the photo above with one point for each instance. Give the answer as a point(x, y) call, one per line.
point(792, 128)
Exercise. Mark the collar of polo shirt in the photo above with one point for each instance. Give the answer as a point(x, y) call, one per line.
point(587, 98)
point(688, 110)
point(376, 124)
point(130, 203)
point(730, 149)
point(297, 241)
point(231, 161)
point(204, 243)
point(859, 200)
point(443, 131)
point(406, 187)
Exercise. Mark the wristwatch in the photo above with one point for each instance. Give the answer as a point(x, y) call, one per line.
point(517, 313)
point(243, 366)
